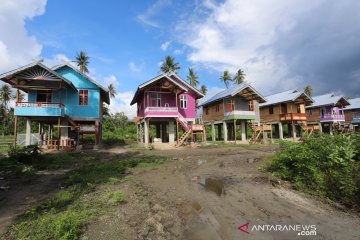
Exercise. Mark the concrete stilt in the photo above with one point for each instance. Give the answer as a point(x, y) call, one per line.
point(320, 126)
point(171, 132)
point(243, 131)
point(28, 132)
point(213, 132)
point(146, 131)
point(281, 133)
point(225, 132)
point(293, 130)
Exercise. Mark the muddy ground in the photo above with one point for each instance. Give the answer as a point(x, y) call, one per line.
point(204, 193)
point(208, 193)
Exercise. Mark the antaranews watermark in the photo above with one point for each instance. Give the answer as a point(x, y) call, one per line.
point(300, 229)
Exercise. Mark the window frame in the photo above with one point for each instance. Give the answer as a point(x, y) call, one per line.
point(83, 97)
point(48, 96)
point(183, 101)
point(271, 109)
point(155, 96)
point(251, 105)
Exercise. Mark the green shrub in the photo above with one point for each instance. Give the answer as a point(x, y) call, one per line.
point(27, 154)
point(326, 165)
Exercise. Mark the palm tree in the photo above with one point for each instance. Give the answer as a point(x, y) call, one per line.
point(5, 96)
point(169, 65)
point(308, 90)
point(112, 90)
point(193, 78)
point(203, 89)
point(82, 61)
point(226, 78)
point(239, 77)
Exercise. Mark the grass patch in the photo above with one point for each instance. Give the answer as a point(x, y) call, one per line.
point(88, 192)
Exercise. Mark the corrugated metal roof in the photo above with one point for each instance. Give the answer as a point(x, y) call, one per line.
point(289, 95)
point(235, 89)
point(328, 99)
point(354, 104)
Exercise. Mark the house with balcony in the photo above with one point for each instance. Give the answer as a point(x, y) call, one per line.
point(327, 111)
point(168, 104)
point(352, 113)
point(230, 108)
point(65, 102)
point(285, 109)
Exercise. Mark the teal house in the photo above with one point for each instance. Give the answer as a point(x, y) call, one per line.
point(65, 102)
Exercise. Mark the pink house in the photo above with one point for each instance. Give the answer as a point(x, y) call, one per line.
point(168, 103)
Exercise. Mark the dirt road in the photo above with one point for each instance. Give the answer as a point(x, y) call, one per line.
point(209, 193)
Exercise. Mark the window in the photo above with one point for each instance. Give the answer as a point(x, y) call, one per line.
point(298, 108)
point(83, 97)
point(206, 111)
point(155, 100)
point(44, 96)
point(251, 105)
point(217, 108)
point(271, 109)
point(283, 108)
point(309, 112)
point(183, 101)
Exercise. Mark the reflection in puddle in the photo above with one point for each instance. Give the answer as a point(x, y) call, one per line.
point(213, 185)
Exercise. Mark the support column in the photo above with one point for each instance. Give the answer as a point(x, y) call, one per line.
point(146, 131)
point(331, 128)
point(243, 131)
point(235, 131)
point(225, 131)
point(293, 128)
point(320, 126)
point(281, 132)
point(213, 132)
point(64, 133)
point(15, 131)
point(171, 132)
point(28, 132)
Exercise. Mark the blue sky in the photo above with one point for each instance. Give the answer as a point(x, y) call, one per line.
point(279, 44)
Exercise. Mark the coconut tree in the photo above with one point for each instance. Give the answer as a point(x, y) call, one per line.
point(82, 61)
point(226, 78)
point(193, 77)
point(112, 90)
point(169, 65)
point(308, 90)
point(203, 89)
point(5, 96)
point(239, 77)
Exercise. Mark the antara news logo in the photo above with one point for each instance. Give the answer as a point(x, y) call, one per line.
point(302, 230)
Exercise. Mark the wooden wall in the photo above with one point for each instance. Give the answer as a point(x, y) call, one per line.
point(265, 116)
point(315, 117)
point(212, 114)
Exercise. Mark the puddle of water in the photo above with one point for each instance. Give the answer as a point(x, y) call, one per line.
point(195, 205)
point(212, 185)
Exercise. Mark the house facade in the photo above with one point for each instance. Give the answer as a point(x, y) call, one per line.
point(352, 113)
point(285, 108)
point(65, 102)
point(327, 111)
point(231, 108)
point(168, 103)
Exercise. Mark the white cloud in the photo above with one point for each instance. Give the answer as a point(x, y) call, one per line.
point(57, 59)
point(16, 46)
point(111, 79)
point(121, 103)
point(147, 17)
point(134, 67)
point(237, 34)
point(178, 51)
point(160, 63)
point(165, 45)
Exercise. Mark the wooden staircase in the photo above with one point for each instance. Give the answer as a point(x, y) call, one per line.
point(258, 131)
point(189, 129)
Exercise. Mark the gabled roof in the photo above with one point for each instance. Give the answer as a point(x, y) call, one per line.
point(245, 89)
point(172, 78)
point(36, 73)
point(329, 99)
point(105, 91)
point(292, 95)
point(354, 104)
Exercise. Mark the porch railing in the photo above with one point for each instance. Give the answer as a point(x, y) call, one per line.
point(39, 104)
point(161, 109)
